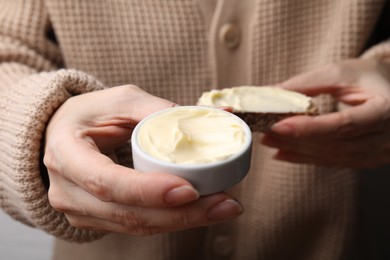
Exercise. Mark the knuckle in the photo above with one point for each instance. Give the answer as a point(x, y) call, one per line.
point(57, 201)
point(129, 219)
point(141, 196)
point(144, 232)
point(77, 222)
point(133, 223)
point(182, 218)
point(98, 187)
point(48, 160)
point(140, 230)
point(53, 148)
point(129, 87)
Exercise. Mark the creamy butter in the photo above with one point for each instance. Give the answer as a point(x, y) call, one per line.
point(192, 136)
point(257, 99)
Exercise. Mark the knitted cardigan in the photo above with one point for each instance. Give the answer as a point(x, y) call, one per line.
point(51, 50)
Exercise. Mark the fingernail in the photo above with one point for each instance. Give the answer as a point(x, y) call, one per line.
point(181, 195)
point(283, 129)
point(224, 210)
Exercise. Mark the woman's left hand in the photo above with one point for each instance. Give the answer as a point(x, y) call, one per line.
point(357, 136)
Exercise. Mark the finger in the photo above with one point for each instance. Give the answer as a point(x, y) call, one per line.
point(108, 181)
point(147, 221)
point(326, 151)
point(294, 157)
point(336, 80)
point(369, 117)
point(370, 150)
point(329, 162)
point(328, 79)
point(336, 147)
point(321, 151)
point(132, 104)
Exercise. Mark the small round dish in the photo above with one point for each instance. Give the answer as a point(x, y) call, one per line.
point(206, 177)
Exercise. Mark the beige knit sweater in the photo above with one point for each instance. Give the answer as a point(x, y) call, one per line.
point(176, 49)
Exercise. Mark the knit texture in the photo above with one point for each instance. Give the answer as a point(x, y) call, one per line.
point(52, 50)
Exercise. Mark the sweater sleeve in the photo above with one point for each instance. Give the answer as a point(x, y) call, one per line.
point(32, 87)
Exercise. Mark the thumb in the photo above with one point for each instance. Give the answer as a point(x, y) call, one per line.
point(321, 81)
point(354, 121)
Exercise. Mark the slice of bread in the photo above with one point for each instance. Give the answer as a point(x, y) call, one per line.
point(260, 107)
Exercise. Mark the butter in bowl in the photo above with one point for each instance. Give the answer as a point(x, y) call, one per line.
point(209, 147)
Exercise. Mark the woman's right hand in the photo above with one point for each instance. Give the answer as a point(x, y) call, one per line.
point(95, 192)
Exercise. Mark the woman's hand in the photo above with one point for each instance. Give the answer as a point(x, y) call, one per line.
point(357, 136)
point(96, 193)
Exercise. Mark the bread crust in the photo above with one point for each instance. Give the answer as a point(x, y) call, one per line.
point(261, 122)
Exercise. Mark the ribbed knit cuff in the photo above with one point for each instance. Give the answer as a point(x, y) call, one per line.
point(26, 108)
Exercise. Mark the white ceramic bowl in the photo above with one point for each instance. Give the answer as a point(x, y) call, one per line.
point(207, 178)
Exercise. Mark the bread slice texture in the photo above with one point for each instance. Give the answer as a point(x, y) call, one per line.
point(260, 107)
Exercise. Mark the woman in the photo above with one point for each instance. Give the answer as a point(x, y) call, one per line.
point(67, 112)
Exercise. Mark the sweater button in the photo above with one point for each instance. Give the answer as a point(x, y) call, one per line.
point(229, 36)
point(222, 246)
